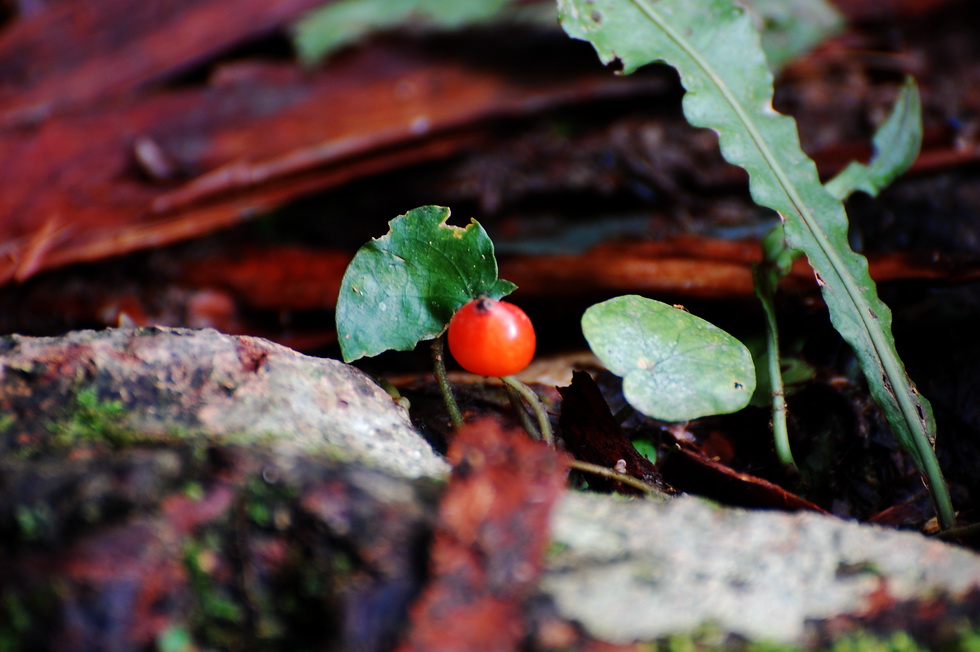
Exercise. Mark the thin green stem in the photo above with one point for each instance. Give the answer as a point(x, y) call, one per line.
point(766, 277)
point(439, 366)
point(526, 422)
point(873, 345)
point(940, 491)
point(623, 478)
point(532, 399)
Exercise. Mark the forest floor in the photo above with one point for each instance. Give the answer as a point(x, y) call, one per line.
point(212, 181)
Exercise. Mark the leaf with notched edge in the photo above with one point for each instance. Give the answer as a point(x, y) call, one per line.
point(729, 89)
point(404, 287)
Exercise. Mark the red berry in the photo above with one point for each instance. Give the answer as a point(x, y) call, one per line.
point(491, 338)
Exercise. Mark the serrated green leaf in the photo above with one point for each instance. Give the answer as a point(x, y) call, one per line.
point(790, 28)
point(337, 24)
point(896, 143)
point(404, 287)
point(896, 146)
point(675, 366)
point(729, 89)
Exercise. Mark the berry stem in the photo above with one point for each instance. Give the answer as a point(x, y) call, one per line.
point(532, 399)
point(526, 422)
point(439, 366)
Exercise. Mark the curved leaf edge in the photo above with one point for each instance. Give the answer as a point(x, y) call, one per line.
point(350, 319)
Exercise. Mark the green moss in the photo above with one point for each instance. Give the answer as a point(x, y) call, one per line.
point(194, 490)
point(24, 617)
point(220, 603)
point(216, 615)
point(343, 564)
point(967, 639)
point(267, 504)
point(6, 420)
point(233, 608)
point(866, 642)
point(93, 420)
point(16, 621)
point(555, 549)
point(16, 449)
point(680, 643)
point(259, 513)
point(175, 639)
point(35, 522)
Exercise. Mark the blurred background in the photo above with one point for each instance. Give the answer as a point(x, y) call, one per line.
point(214, 163)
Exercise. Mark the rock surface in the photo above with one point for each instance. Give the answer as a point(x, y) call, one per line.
point(167, 382)
point(636, 571)
point(117, 523)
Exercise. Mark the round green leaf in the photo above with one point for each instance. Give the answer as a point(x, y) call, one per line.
point(674, 366)
point(404, 287)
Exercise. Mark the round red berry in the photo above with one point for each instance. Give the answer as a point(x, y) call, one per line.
point(491, 338)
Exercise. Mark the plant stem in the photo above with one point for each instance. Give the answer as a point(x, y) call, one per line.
point(937, 485)
point(439, 366)
point(532, 399)
point(525, 418)
point(728, 98)
point(623, 478)
point(766, 277)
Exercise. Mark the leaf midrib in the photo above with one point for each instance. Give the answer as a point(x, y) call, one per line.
point(789, 190)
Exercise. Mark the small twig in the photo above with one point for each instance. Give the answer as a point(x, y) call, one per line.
point(623, 478)
point(525, 418)
point(439, 365)
point(532, 399)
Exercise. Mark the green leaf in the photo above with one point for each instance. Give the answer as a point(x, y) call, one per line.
point(335, 25)
point(790, 28)
point(674, 366)
point(729, 89)
point(896, 146)
point(647, 449)
point(404, 287)
point(896, 142)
